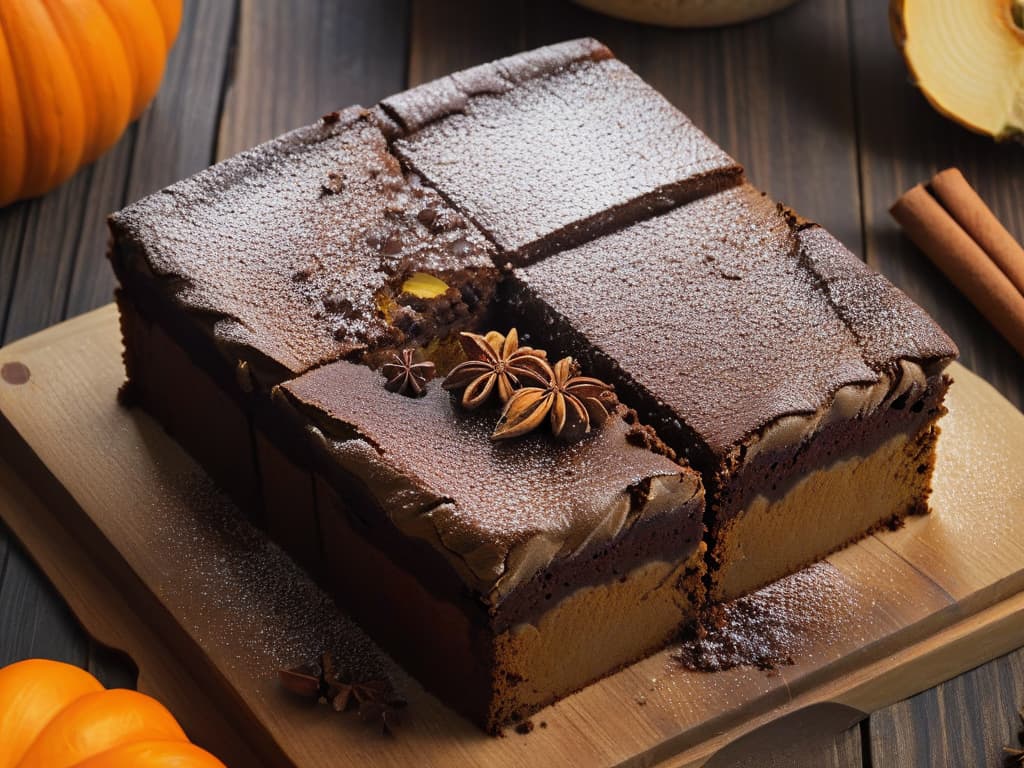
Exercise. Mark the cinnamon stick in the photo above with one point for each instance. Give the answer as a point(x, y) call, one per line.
point(966, 206)
point(963, 261)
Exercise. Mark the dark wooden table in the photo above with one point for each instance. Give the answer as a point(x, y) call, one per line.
point(815, 101)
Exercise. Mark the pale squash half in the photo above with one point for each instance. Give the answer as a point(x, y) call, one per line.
point(967, 57)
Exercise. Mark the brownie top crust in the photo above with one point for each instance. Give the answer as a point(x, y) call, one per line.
point(498, 511)
point(554, 146)
point(739, 324)
point(295, 253)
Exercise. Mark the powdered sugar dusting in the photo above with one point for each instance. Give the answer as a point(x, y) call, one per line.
point(238, 592)
point(774, 626)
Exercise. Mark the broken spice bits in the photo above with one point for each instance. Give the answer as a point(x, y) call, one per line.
point(375, 699)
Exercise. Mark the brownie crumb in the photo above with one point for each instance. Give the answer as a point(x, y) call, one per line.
point(644, 436)
point(334, 184)
point(524, 727)
point(768, 628)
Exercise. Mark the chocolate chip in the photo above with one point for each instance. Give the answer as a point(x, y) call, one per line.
point(427, 216)
point(469, 296)
point(331, 118)
point(446, 220)
point(337, 303)
point(393, 244)
point(460, 248)
point(403, 318)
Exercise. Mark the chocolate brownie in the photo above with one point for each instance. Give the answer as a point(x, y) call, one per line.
point(260, 298)
point(593, 548)
point(554, 146)
point(298, 252)
point(771, 357)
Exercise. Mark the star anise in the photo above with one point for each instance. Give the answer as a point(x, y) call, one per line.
point(573, 403)
point(405, 376)
point(375, 698)
point(495, 362)
point(304, 680)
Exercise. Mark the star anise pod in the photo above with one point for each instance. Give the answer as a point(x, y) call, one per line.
point(495, 362)
point(375, 698)
point(304, 680)
point(573, 403)
point(405, 376)
point(344, 694)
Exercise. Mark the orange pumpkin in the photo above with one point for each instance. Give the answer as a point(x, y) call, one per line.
point(73, 74)
point(54, 715)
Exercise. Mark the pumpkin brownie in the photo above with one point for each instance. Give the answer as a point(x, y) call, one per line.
point(310, 248)
point(802, 384)
point(505, 574)
point(259, 297)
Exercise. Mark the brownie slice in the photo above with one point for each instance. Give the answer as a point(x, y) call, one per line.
point(803, 385)
point(299, 252)
point(503, 575)
point(553, 146)
point(310, 248)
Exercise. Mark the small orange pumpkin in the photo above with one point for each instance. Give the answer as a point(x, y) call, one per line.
point(73, 74)
point(54, 715)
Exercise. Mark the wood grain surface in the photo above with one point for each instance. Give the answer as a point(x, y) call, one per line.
point(814, 101)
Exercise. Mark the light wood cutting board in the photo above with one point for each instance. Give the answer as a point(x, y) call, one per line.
point(154, 562)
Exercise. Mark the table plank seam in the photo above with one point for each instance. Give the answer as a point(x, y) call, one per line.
point(7, 544)
point(15, 268)
point(857, 137)
point(227, 79)
point(82, 247)
point(864, 726)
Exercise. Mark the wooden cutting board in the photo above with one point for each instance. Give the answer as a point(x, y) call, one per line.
point(154, 562)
